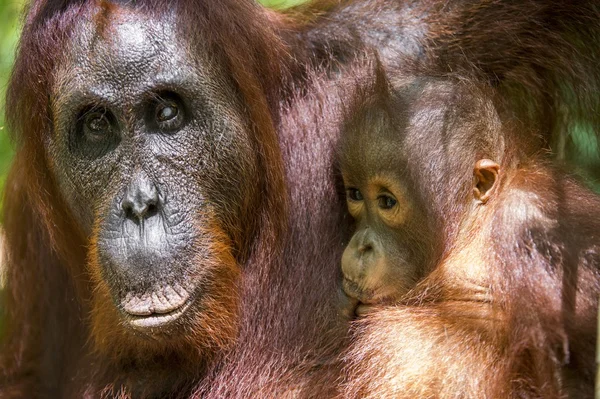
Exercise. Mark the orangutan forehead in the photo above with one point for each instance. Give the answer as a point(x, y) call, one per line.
point(120, 54)
point(122, 44)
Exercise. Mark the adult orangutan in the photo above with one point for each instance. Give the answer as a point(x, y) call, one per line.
point(147, 176)
point(151, 189)
point(488, 255)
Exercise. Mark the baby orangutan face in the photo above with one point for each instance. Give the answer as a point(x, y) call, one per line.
point(391, 247)
point(390, 250)
point(397, 237)
point(382, 260)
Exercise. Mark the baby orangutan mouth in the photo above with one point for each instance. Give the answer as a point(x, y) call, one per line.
point(361, 301)
point(157, 308)
point(356, 293)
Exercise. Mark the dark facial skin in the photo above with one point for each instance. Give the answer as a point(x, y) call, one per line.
point(150, 152)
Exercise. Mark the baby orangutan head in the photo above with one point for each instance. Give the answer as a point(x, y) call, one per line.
point(407, 188)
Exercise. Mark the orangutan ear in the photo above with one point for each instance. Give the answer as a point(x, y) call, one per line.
point(485, 179)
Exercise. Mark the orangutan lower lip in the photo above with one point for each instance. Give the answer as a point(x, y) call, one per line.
point(155, 320)
point(156, 308)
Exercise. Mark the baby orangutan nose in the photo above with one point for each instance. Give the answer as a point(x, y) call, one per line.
point(363, 265)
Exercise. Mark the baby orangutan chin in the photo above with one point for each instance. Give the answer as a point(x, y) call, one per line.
point(474, 263)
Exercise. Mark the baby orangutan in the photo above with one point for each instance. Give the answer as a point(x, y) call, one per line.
point(384, 258)
point(394, 243)
point(475, 259)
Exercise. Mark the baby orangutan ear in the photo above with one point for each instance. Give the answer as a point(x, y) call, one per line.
point(485, 176)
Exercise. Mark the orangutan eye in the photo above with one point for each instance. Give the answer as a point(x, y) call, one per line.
point(354, 194)
point(386, 202)
point(97, 125)
point(96, 133)
point(166, 113)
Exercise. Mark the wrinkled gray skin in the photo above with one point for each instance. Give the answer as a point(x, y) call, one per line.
point(149, 149)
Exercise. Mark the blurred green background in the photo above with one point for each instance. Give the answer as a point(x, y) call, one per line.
point(10, 12)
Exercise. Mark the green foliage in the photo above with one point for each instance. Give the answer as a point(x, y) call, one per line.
point(10, 10)
point(582, 151)
point(280, 4)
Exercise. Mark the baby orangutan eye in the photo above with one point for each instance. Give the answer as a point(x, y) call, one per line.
point(386, 202)
point(354, 194)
